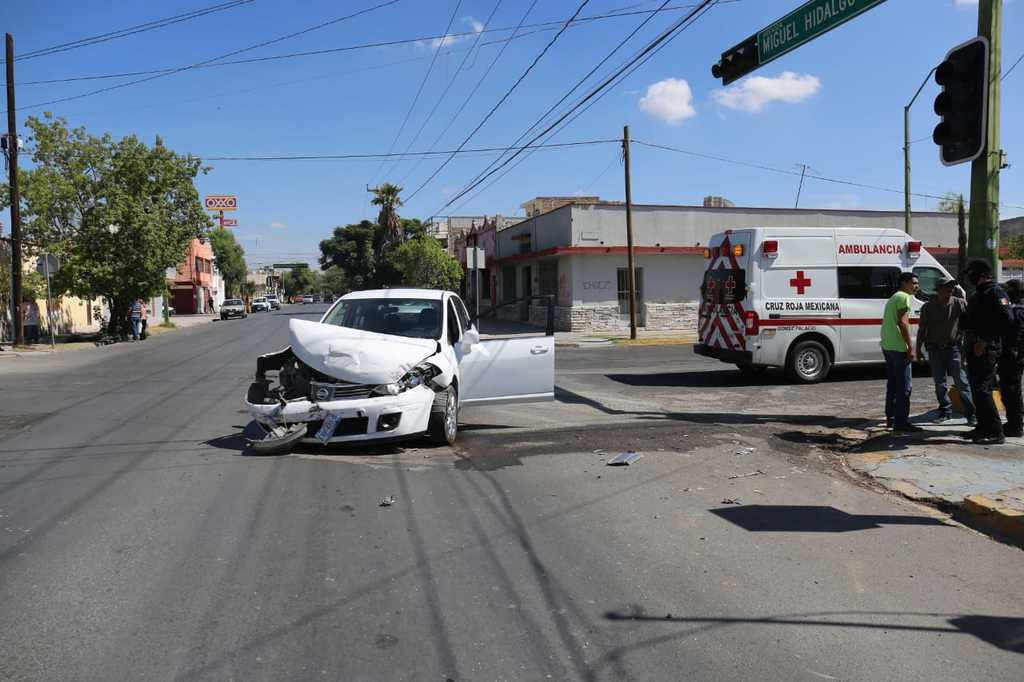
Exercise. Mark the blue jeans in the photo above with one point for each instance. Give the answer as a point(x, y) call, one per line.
point(897, 387)
point(945, 361)
point(136, 327)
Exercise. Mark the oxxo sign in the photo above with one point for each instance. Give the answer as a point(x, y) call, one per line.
point(221, 202)
point(806, 22)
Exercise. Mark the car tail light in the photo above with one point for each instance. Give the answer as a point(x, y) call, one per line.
point(751, 323)
point(913, 249)
point(771, 248)
point(707, 253)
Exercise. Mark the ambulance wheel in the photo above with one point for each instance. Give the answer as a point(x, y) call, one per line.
point(750, 370)
point(809, 362)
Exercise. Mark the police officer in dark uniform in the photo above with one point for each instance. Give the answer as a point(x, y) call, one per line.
point(1011, 362)
point(987, 325)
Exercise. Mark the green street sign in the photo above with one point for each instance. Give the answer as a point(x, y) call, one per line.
point(805, 23)
point(290, 266)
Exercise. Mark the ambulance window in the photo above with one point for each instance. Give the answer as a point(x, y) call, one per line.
point(868, 282)
point(928, 279)
point(724, 286)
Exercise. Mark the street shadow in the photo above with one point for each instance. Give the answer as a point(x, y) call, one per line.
point(811, 519)
point(1003, 632)
point(725, 378)
point(483, 427)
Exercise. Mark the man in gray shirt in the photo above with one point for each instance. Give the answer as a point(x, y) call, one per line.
point(939, 333)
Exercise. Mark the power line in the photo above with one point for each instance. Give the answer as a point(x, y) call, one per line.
point(389, 155)
point(131, 30)
point(423, 83)
point(784, 171)
point(451, 82)
point(574, 88)
point(1012, 67)
point(507, 94)
point(644, 55)
point(265, 43)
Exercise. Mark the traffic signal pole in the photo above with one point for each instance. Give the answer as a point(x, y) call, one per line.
point(983, 239)
point(906, 154)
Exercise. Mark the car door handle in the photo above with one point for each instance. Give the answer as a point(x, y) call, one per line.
point(538, 350)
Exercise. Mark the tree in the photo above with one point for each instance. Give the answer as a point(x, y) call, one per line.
point(230, 257)
point(387, 197)
point(412, 228)
point(950, 202)
point(354, 249)
point(1015, 246)
point(422, 262)
point(300, 281)
point(335, 281)
point(118, 213)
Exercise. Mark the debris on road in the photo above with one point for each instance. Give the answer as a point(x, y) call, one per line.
point(386, 501)
point(748, 475)
point(744, 451)
point(625, 459)
point(731, 500)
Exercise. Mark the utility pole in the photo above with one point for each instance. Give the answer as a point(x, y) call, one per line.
point(799, 188)
point(906, 152)
point(983, 241)
point(12, 151)
point(961, 231)
point(630, 257)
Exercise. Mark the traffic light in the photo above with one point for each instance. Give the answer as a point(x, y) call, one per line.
point(963, 102)
point(737, 61)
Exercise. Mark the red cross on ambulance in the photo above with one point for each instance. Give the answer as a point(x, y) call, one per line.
point(800, 282)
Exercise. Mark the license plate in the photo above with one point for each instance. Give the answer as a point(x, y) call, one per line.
point(331, 422)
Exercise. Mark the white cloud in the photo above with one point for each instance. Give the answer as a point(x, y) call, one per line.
point(755, 92)
point(278, 226)
point(670, 100)
point(965, 3)
point(450, 39)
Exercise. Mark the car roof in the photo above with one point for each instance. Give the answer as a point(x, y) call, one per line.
point(430, 294)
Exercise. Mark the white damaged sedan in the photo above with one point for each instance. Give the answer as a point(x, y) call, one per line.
point(390, 364)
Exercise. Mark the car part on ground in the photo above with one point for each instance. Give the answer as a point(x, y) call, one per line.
point(278, 439)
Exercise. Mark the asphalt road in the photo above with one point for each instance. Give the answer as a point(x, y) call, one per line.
point(138, 540)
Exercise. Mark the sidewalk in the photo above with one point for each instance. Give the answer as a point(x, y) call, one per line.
point(491, 328)
point(982, 486)
point(89, 342)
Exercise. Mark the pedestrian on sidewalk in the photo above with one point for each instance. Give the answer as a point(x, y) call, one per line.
point(30, 321)
point(898, 349)
point(939, 333)
point(135, 315)
point(144, 324)
point(986, 325)
point(1011, 362)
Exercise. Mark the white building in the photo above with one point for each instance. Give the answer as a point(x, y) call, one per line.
point(577, 253)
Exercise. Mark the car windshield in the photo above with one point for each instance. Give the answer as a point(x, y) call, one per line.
point(413, 317)
point(233, 301)
point(261, 300)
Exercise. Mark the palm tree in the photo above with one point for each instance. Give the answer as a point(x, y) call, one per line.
point(387, 197)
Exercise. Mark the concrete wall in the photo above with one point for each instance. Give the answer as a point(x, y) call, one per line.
point(546, 231)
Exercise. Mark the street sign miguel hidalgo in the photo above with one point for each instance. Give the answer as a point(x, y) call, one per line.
point(805, 23)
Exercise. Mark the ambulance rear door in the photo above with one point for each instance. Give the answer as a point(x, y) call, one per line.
point(725, 300)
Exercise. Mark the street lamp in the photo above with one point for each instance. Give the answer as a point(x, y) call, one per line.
point(906, 152)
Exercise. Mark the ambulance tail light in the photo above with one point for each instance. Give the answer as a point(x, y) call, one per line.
point(707, 254)
point(751, 323)
point(738, 250)
point(771, 248)
point(913, 249)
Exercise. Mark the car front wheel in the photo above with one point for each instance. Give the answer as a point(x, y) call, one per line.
point(443, 426)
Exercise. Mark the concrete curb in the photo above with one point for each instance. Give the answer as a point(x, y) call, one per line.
point(992, 518)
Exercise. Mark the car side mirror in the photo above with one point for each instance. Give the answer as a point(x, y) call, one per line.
point(470, 338)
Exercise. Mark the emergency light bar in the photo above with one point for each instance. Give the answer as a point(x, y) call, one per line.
point(913, 249)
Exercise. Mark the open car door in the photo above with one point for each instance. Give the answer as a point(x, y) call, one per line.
point(517, 370)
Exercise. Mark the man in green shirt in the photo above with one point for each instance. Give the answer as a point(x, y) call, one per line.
point(898, 349)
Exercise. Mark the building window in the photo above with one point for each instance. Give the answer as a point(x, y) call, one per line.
point(867, 282)
point(623, 277)
point(548, 272)
point(199, 264)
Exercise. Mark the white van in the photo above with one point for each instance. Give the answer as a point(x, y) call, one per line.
point(806, 299)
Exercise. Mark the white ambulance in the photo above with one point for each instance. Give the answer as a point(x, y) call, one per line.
point(806, 299)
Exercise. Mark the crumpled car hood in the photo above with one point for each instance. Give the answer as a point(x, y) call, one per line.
point(356, 356)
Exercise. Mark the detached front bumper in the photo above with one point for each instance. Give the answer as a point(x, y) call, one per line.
point(363, 419)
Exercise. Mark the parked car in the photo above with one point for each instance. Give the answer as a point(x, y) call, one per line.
point(275, 302)
point(390, 364)
point(308, 298)
point(316, 298)
point(260, 305)
point(232, 307)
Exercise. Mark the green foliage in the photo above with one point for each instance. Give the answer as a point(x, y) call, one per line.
point(335, 281)
point(230, 258)
point(422, 262)
point(387, 197)
point(950, 202)
point(412, 228)
point(353, 249)
point(300, 281)
point(81, 184)
point(1015, 246)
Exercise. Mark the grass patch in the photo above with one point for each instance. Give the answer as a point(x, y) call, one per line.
point(167, 325)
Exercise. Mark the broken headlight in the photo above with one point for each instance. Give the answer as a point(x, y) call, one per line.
point(417, 376)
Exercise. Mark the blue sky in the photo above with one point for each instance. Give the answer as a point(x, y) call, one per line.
point(834, 104)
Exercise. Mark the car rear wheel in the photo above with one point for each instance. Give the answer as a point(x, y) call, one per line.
point(809, 362)
point(443, 426)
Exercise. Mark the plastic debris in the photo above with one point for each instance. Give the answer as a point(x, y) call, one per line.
point(744, 451)
point(625, 459)
point(386, 501)
point(731, 500)
point(748, 475)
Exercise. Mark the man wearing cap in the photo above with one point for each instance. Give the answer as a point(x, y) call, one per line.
point(986, 324)
point(939, 332)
